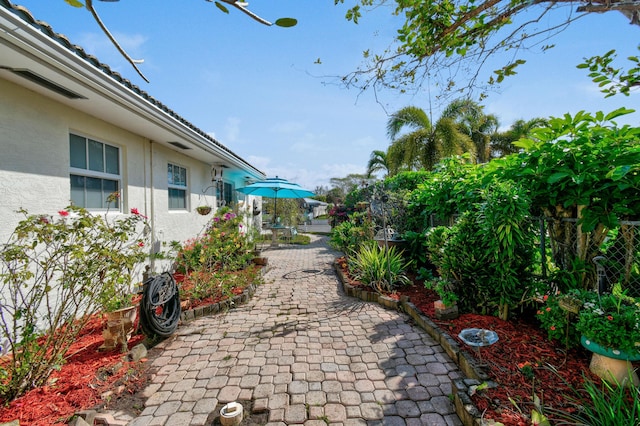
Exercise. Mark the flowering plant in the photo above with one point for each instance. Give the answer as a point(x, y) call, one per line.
point(611, 320)
point(55, 272)
point(556, 321)
point(223, 246)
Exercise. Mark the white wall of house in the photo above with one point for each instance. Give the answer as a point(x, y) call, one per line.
point(35, 166)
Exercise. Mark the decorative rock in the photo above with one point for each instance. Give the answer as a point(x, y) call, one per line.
point(444, 312)
point(79, 421)
point(138, 352)
point(87, 415)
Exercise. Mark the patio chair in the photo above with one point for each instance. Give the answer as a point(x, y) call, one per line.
point(289, 233)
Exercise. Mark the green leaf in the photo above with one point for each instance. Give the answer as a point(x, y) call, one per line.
point(557, 176)
point(619, 172)
point(221, 7)
point(526, 144)
point(618, 113)
point(286, 22)
point(539, 419)
point(74, 3)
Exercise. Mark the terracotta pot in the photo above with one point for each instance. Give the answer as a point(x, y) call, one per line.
point(118, 328)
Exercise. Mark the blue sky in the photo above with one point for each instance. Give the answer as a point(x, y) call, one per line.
point(260, 92)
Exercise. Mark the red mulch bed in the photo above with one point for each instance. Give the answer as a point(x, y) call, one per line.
point(87, 376)
point(80, 383)
point(555, 371)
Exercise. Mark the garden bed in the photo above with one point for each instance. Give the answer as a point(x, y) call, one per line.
point(93, 379)
point(523, 363)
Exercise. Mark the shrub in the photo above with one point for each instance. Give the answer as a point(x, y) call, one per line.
point(223, 246)
point(349, 235)
point(54, 273)
point(487, 254)
point(379, 268)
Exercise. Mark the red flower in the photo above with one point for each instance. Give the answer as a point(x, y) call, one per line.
point(548, 309)
point(140, 244)
point(63, 213)
point(546, 296)
point(137, 212)
point(552, 328)
point(609, 317)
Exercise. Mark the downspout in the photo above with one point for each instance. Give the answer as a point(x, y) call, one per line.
point(151, 215)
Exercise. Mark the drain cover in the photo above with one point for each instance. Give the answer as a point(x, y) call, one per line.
point(478, 336)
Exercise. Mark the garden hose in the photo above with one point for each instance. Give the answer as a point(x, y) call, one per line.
point(160, 306)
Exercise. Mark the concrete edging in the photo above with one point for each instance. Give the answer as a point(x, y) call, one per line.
point(465, 409)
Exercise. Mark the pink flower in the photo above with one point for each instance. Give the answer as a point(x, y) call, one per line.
point(63, 213)
point(135, 211)
point(140, 244)
point(546, 296)
point(552, 328)
point(548, 309)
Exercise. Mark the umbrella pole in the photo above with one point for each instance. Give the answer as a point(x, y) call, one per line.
point(275, 210)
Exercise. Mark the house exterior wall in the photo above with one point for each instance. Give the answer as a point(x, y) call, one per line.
point(35, 167)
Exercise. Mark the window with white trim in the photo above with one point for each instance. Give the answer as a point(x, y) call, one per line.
point(94, 173)
point(177, 185)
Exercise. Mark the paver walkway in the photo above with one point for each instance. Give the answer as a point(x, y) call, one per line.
point(307, 353)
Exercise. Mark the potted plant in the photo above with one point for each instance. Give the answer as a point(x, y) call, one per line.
point(203, 210)
point(116, 282)
point(610, 328)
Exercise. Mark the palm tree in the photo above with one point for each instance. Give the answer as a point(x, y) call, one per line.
point(426, 144)
point(377, 162)
point(502, 142)
point(472, 120)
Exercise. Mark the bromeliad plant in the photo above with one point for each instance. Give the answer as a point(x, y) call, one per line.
point(55, 271)
point(379, 268)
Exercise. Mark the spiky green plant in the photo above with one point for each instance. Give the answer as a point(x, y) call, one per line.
point(379, 268)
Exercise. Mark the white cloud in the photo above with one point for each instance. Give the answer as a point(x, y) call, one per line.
point(232, 129)
point(288, 127)
point(261, 163)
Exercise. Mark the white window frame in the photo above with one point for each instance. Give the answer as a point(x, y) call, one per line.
point(102, 175)
point(178, 186)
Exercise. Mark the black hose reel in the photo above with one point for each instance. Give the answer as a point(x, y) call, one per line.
point(160, 306)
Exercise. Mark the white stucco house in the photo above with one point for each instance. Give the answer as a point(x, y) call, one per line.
point(73, 131)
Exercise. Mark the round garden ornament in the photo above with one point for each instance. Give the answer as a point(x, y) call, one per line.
point(612, 365)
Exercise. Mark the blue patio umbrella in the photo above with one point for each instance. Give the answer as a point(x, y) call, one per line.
point(276, 188)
